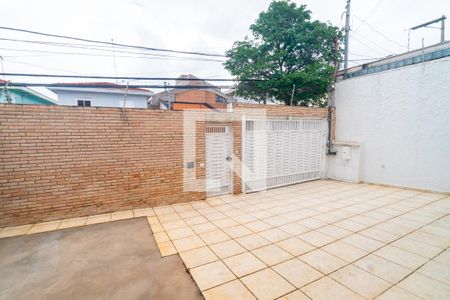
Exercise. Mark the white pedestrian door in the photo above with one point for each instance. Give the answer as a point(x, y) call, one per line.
point(282, 152)
point(218, 160)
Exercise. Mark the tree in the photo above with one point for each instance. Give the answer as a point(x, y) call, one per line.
point(287, 50)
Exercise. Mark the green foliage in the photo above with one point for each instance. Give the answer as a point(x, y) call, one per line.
point(287, 49)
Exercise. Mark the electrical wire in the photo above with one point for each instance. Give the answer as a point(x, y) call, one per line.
point(101, 48)
point(110, 43)
point(370, 47)
point(147, 56)
point(374, 8)
point(109, 85)
point(380, 33)
point(124, 77)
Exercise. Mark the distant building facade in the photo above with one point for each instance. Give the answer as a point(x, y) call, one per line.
point(23, 95)
point(81, 94)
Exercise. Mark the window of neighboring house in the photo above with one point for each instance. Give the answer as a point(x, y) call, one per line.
point(84, 103)
point(220, 99)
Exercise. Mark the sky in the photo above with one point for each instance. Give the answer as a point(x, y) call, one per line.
point(378, 29)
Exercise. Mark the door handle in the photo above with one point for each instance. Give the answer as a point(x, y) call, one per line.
point(228, 158)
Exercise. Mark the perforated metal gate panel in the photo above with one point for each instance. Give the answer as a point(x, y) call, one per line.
point(282, 152)
point(218, 160)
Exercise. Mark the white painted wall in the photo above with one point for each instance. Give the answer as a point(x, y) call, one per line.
point(101, 99)
point(401, 119)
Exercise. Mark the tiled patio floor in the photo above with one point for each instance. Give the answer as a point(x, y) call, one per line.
point(322, 240)
point(319, 240)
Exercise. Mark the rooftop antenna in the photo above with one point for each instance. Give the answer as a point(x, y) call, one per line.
point(114, 57)
point(442, 28)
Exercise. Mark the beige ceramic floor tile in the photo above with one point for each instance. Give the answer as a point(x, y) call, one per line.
point(72, 222)
point(443, 257)
point(188, 243)
point(227, 248)
point(156, 227)
point(161, 237)
point(379, 235)
point(213, 237)
point(252, 241)
point(276, 221)
point(295, 246)
point(382, 268)
point(168, 218)
point(297, 272)
point(15, 230)
point(360, 281)
point(237, 231)
point(143, 212)
point(267, 284)
point(401, 257)
point(44, 227)
point(196, 257)
point(294, 228)
point(425, 287)
point(327, 289)
point(204, 227)
point(436, 270)
point(244, 264)
point(174, 224)
point(211, 275)
point(396, 293)
point(225, 223)
point(323, 261)
point(163, 210)
point(195, 220)
point(363, 242)
point(334, 231)
point(316, 238)
point(166, 248)
point(271, 254)
point(152, 220)
point(417, 247)
point(229, 291)
point(179, 233)
point(345, 251)
point(296, 295)
point(258, 226)
point(122, 215)
point(274, 235)
point(95, 219)
point(244, 218)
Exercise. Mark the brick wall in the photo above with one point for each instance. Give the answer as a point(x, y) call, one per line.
point(60, 162)
point(68, 161)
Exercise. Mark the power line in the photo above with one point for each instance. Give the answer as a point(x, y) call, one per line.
point(146, 55)
point(370, 47)
point(124, 77)
point(109, 86)
point(110, 43)
point(380, 33)
point(374, 8)
point(88, 47)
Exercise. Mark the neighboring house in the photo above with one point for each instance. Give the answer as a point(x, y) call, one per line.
point(393, 121)
point(86, 94)
point(23, 95)
point(191, 98)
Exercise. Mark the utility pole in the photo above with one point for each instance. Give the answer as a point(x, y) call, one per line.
point(347, 32)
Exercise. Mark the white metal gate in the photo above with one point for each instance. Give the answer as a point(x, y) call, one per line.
point(218, 159)
point(282, 152)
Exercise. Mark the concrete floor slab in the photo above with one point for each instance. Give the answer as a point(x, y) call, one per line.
point(116, 260)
